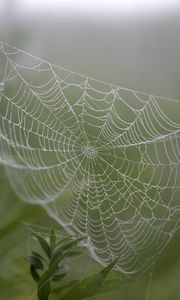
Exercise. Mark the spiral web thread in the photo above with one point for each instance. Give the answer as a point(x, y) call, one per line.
point(102, 159)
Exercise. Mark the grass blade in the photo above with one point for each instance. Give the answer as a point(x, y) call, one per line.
point(44, 245)
point(89, 286)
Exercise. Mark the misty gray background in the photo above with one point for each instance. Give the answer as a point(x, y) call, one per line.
point(138, 52)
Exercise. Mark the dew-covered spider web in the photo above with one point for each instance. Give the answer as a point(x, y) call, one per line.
point(103, 160)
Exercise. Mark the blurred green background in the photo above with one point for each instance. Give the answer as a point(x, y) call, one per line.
point(140, 53)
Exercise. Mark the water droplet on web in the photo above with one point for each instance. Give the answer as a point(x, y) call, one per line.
point(1, 86)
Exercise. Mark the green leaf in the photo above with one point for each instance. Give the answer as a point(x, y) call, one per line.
point(38, 255)
point(75, 252)
point(60, 273)
point(44, 245)
point(89, 286)
point(34, 273)
point(52, 239)
point(62, 241)
point(36, 262)
point(62, 249)
point(70, 284)
point(112, 285)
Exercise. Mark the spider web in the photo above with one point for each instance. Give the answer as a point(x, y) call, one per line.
point(103, 160)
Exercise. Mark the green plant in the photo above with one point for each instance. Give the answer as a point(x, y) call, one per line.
point(49, 269)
